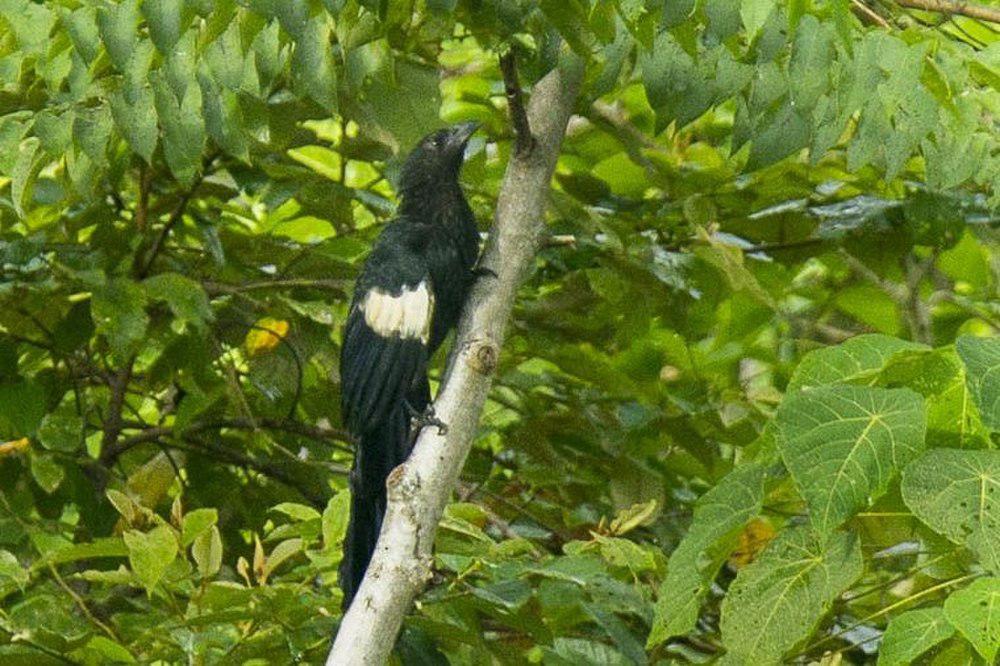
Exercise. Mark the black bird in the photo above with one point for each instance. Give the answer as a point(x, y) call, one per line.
point(408, 297)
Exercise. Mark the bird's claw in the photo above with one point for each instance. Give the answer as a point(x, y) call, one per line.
point(427, 417)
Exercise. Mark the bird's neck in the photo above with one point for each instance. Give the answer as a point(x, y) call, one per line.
point(442, 204)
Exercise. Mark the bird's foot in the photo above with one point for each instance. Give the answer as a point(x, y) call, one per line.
point(421, 419)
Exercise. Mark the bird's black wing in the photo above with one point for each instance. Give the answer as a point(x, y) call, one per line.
point(385, 346)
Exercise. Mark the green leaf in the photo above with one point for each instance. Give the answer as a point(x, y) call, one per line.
point(196, 523)
point(22, 406)
point(570, 18)
point(404, 100)
point(150, 553)
point(183, 128)
point(911, 634)
point(755, 14)
point(55, 131)
point(136, 120)
point(730, 262)
point(952, 419)
point(855, 361)
point(298, 512)
point(225, 59)
point(62, 429)
point(315, 76)
point(163, 18)
point(11, 570)
point(957, 493)
point(843, 444)
point(119, 314)
point(269, 57)
point(322, 160)
point(123, 504)
point(676, 87)
point(117, 25)
point(776, 601)
point(22, 177)
point(281, 553)
point(207, 552)
point(975, 612)
point(81, 25)
point(223, 118)
point(719, 514)
point(809, 69)
point(580, 651)
point(98, 548)
point(186, 298)
point(982, 363)
point(335, 517)
point(92, 130)
point(103, 650)
point(46, 471)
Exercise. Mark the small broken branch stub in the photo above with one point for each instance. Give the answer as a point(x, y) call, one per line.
point(482, 356)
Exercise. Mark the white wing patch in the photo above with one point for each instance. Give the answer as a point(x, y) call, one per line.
point(407, 315)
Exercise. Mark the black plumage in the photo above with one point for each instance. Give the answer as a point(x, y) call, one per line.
point(408, 297)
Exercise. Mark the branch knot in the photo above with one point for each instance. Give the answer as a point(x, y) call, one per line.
point(482, 355)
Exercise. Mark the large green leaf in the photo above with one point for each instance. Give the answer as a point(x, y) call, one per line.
point(940, 376)
point(911, 634)
point(982, 362)
point(957, 493)
point(975, 612)
point(776, 602)
point(718, 516)
point(843, 444)
point(856, 361)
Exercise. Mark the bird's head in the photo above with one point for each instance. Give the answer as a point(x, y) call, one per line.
point(437, 158)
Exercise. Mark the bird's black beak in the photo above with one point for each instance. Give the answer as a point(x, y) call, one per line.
point(460, 134)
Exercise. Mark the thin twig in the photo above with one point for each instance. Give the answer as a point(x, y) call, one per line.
point(155, 433)
point(895, 291)
point(964, 304)
point(81, 604)
point(891, 607)
point(146, 263)
point(267, 468)
point(142, 207)
point(991, 14)
point(866, 13)
point(337, 286)
point(524, 141)
point(113, 424)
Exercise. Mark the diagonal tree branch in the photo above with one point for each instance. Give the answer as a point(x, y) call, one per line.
point(420, 488)
point(981, 12)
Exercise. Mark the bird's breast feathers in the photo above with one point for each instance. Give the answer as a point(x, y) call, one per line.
point(404, 315)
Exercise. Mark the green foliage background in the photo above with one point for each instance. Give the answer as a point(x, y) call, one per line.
point(750, 403)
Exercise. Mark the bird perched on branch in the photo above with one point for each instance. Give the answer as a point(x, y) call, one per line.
point(408, 297)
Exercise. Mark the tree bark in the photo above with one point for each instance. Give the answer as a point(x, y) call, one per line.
point(420, 488)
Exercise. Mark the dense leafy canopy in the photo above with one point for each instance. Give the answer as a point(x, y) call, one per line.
point(690, 451)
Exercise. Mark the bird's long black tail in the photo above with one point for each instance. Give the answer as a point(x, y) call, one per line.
point(378, 451)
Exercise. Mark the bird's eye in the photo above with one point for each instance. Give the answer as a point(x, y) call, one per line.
point(439, 141)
